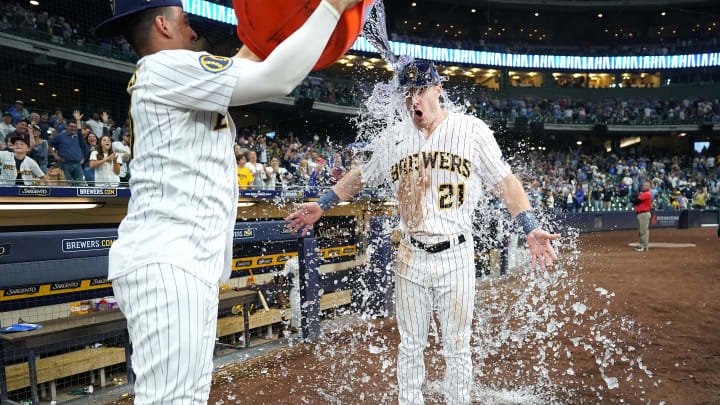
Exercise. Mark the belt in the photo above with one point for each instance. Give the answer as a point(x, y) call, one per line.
point(438, 247)
point(641, 212)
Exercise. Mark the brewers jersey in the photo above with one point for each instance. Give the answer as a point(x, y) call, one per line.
point(29, 169)
point(437, 181)
point(184, 187)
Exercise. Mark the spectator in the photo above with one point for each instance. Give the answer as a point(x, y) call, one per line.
point(17, 167)
point(95, 125)
point(699, 199)
point(57, 119)
point(6, 128)
point(237, 150)
point(21, 130)
point(607, 195)
point(19, 112)
point(106, 164)
point(40, 150)
point(280, 177)
point(291, 162)
point(55, 176)
point(245, 178)
point(579, 199)
point(596, 198)
point(642, 209)
point(44, 125)
point(258, 170)
point(68, 148)
point(91, 142)
point(262, 150)
point(122, 148)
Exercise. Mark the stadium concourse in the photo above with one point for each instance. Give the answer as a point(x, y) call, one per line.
point(608, 324)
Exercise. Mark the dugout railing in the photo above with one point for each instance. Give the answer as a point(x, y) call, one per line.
point(43, 272)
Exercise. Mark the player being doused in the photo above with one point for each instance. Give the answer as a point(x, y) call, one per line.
point(438, 163)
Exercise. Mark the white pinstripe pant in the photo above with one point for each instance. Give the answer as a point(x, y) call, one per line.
point(171, 317)
point(445, 281)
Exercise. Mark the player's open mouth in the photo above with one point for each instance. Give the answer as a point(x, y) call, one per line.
point(418, 113)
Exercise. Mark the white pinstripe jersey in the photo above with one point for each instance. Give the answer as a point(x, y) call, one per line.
point(438, 181)
point(184, 183)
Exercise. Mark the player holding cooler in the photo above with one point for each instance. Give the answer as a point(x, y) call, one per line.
point(175, 244)
point(437, 163)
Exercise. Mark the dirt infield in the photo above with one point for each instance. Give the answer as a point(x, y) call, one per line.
point(667, 299)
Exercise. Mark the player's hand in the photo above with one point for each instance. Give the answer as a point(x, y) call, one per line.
point(540, 248)
point(304, 218)
point(342, 5)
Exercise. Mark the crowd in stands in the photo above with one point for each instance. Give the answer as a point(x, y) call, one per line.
point(58, 29)
point(575, 182)
point(626, 47)
point(558, 110)
point(44, 148)
point(67, 151)
point(560, 181)
point(269, 162)
point(607, 110)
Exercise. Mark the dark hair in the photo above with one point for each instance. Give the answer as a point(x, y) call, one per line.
point(19, 139)
point(140, 24)
point(100, 151)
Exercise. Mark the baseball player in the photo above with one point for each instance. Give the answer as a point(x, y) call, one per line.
point(436, 162)
point(175, 244)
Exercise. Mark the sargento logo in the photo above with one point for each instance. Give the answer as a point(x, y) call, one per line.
point(65, 285)
point(34, 191)
point(244, 233)
point(96, 192)
point(85, 244)
point(30, 289)
point(99, 281)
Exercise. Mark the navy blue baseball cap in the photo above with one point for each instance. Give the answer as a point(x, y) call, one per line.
point(124, 8)
point(419, 73)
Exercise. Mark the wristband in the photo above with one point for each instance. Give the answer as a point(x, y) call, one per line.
point(328, 200)
point(528, 221)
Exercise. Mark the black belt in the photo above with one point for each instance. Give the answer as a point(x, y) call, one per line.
point(436, 248)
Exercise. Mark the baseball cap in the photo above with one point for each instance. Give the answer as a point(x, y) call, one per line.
point(18, 102)
point(19, 139)
point(124, 8)
point(6, 114)
point(36, 127)
point(419, 73)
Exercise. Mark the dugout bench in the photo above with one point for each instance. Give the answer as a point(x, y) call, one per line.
point(38, 269)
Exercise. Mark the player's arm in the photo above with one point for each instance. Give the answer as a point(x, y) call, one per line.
point(309, 213)
point(290, 61)
point(513, 194)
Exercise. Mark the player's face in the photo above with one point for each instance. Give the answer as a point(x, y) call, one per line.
point(183, 33)
point(423, 104)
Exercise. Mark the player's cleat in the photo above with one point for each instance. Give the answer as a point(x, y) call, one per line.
point(640, 249)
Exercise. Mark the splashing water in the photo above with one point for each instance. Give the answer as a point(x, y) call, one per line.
point(544, 313)
point(533, 330)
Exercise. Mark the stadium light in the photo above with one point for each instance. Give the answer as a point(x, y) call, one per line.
point(600, 15)
point(34, 2)
point(536, 14)
point(473, 10)
point(663, 14)
point(579, 143)
point(629, 141)
point(413, 4)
